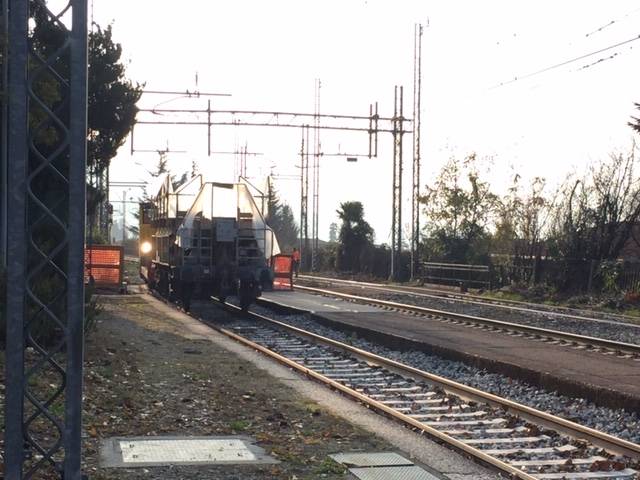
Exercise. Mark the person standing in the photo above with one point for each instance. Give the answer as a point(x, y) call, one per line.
point(295, 256)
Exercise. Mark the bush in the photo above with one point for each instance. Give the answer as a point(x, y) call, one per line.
point(44, 330)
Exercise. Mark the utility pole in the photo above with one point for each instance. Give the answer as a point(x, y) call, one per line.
point(304, 198)
point(34, 388)
point(124, 216)
point(316, 177)
point(415, 193)
point(396, 212)
point(3, 141)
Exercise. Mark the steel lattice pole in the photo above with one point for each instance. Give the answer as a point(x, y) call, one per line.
point(16, 242)
point(46, 184)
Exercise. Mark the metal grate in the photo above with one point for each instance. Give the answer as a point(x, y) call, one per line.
point(159, 451)
point(368, 459)
point(392, 473)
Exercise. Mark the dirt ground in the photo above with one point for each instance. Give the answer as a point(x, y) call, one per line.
point(143, 377)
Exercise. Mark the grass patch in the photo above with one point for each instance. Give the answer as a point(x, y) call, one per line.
point(330, 466)
point(239, 425)
point(313, 408)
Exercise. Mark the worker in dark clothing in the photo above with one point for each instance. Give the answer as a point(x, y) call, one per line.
point(295, 257)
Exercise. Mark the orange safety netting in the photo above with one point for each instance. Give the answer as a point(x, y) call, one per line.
point(104, 263)
point(283, 272)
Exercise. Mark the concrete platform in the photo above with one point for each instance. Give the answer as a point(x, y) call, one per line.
point(605, 380)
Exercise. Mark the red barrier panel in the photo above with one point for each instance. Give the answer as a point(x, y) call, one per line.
point(283, 272)
point(105, 264)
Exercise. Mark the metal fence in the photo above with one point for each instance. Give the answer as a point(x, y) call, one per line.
point(456, 274)
point(577, 276)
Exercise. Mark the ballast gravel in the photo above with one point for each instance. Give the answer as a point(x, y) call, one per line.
point(620, 423)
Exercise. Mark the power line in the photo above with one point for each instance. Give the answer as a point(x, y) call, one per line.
point(612, 22)
point(186, 93)
point(566, 62)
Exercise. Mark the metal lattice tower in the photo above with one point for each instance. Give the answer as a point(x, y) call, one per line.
point(46, 186)
point(4, 25)
point(415, 193)
point(304, 198)
point(396, 211)
point(316, 178)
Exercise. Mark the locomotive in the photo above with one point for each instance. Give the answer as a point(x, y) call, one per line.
point(206, 239)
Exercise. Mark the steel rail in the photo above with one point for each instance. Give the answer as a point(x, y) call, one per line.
point(374, 404)
point(569, 337)
point(516, 305)
point(597, 438)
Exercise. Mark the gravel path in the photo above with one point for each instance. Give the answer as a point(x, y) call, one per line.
point(146, 375)
point(611, 330)
point(616, 422)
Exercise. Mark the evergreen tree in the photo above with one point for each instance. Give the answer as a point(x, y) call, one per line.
point(195, 170)
point(111, 99)
point(280, 218)
point(356, 237)
point(161, 167)
point(333, 232)
point(111, 107)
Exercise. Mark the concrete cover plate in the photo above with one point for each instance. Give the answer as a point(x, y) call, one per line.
point(370, 459)
point(158, 451)
point(392, 473)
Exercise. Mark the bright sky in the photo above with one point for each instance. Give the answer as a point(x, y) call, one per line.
point(267, 54)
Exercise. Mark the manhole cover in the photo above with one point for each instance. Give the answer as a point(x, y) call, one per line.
point(158, 451)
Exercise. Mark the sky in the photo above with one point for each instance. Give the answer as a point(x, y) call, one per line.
point(268, 55)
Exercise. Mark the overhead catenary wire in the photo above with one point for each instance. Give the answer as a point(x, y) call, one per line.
point(612, 22)
point(566, 62)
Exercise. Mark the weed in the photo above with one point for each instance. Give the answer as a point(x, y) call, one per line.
point(330, 466)
point(239, 425)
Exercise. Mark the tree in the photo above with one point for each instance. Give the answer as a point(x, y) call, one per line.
point(459, 208)
point(356, 237)
point(595, 216)
point(520, 229)
point(112, 99)
point(195, 170)
point(111, 107)
point(161, 167)
point(333, 232)
point(636, 121)
point(280, 218)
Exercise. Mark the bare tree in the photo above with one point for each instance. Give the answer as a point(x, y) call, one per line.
point(597, 213)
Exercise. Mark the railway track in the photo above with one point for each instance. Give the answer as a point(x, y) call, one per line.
point(512, 305)
point(553, 337)
point(517, 440)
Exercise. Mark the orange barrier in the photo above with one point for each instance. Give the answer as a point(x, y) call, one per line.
point(282, 266)
point(104, 264)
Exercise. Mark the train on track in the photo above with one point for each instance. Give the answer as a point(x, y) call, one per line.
point(204, 239)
